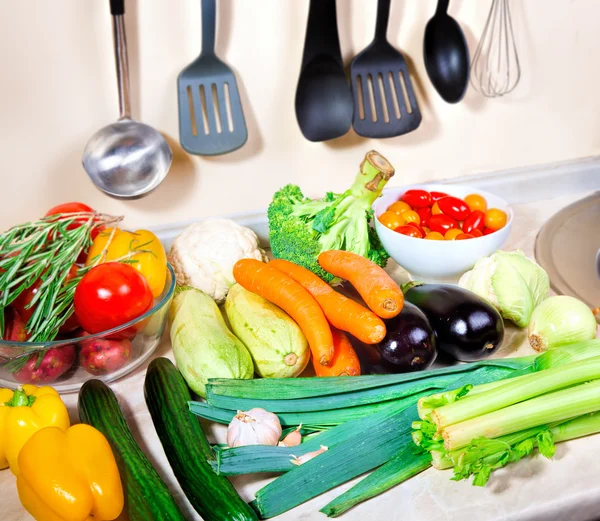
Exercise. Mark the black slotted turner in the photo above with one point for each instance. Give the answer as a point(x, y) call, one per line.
point(385, 104)
point(211, 118)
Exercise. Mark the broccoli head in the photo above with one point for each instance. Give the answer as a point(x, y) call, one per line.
point(301, 228)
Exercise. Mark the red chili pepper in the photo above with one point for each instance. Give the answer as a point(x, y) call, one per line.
point(474, 221)
point(454, 207)
point(441, 223)
point(417, 198)
point(425, 214)
point(437, 195)
point(411, 231)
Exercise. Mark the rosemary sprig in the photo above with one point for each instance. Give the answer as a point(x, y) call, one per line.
point(46, 250)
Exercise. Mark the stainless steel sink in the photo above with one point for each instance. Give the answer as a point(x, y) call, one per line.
point(568, 248)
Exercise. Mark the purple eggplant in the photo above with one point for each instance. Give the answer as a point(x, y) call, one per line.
point(466, 326)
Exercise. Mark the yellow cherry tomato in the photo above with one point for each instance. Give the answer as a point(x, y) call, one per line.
point(399, 207)
point(495, 219)
point(434, 236)
point(476, 202)
point(426, 230)
point(142, 247)
point(391, 220)
point(410, 216)
point(451, 234)
point(435, 209)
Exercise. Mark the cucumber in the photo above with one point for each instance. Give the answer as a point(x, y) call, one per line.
point(147, 497)
point(187, 449)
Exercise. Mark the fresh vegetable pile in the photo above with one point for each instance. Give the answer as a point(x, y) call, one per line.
point(68, 275)
point(438, 216)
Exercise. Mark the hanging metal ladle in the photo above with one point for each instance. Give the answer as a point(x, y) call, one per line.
point(126, 159)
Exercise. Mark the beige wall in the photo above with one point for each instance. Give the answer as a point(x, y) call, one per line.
point(57, 87)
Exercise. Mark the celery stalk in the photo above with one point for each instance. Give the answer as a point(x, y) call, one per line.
point(515, 391)
point(547, 408)
point(483, 455)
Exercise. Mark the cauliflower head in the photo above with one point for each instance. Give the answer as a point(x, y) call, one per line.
point(204, 254)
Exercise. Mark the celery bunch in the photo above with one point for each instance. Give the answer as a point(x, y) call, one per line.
point(483, 428)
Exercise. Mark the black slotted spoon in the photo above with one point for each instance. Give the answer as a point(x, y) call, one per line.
point(385, 104)
point(211, 118)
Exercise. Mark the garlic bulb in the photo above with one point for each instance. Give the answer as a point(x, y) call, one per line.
point(255, 427)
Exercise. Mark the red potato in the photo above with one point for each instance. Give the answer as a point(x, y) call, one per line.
point(100, 356)
point(55, 362)
point(14, 326)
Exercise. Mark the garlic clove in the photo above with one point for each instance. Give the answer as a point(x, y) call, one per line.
point(299, 460)
point(292, 439)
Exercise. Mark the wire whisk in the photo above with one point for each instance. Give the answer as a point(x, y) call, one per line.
point(495, 70)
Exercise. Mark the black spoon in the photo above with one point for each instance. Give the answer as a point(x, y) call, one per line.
point(324, 105)
point(446, 55)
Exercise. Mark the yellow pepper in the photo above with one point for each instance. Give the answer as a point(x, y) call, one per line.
point(24, 412)
point(70, 475)
point(151, 261)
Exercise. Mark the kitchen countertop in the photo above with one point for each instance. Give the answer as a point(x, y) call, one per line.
point(566, 488)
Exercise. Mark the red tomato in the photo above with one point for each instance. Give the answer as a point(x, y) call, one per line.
point(110, 295)
point(476, 233)
point(68, 208)
point(417, 198)
point(442, 223)
point(75, 208)
point(454, 207)
point(437, 195)
point(418, 228)
point(487, 231)
point(411, 231)
point(424, 214)
point(474, 221)
point(464, 236)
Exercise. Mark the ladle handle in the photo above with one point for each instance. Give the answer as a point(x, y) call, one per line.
point(117, 10)
point(383, 15)
point(209, 22)
point(442, 7)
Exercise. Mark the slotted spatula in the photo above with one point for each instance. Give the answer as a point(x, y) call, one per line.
point(385, 104)
point(211, 119)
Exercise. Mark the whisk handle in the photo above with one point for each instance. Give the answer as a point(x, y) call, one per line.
point(442, 7)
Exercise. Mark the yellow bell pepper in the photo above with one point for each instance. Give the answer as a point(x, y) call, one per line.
point(70, 475)
point(150, 261)
point(24, 412)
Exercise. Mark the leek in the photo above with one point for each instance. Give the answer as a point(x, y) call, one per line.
point(295, 388)
point(551, 407)
point(260, 458)
point(401, 467)
point(291, 419)
point(515, 391)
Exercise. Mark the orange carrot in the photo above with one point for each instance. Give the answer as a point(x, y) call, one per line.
point(374, 285)
point(285, 292)
point(340, 311)
point(345, 362)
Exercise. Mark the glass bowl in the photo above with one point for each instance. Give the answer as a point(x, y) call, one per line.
point(132, 342)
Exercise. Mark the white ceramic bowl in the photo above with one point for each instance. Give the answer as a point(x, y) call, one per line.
point(439, 259)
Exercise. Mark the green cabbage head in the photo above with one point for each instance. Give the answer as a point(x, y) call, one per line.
point(512, 282)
